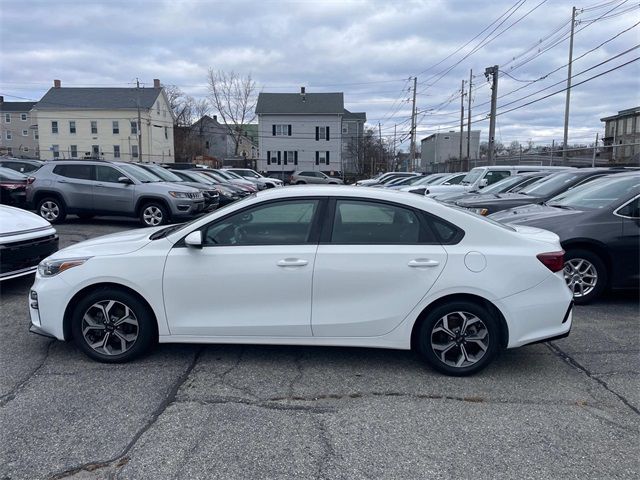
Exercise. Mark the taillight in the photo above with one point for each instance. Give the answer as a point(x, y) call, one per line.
point(13, 186)
point(30, 180)
point(554, 261)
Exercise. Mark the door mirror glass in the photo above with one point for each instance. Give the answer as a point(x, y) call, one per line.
point(125, 180)
point(194, 239)
point(483, 183)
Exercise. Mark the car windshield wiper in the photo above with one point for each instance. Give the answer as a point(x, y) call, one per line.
point(165, 231)
point(558, 205)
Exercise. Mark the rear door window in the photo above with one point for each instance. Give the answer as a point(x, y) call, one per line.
point(494, 176)
point(82, 172)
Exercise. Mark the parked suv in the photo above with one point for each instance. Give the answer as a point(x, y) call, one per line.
point(255, 177)
point(94, 187)
point(300, 178)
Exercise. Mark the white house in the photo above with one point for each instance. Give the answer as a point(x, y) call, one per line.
point(303, 131)
point(18, 131)
point(103, 123)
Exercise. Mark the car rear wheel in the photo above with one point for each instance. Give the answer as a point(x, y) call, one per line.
point(459, 338)
point(153, 214)
point(112, 326)
point(52, 209)
point(585, 274)
point(300, 182)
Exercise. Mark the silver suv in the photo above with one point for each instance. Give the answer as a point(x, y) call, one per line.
point(88, 188)
point(302, 177)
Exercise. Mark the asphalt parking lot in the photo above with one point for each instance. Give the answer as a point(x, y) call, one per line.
point(568, 409)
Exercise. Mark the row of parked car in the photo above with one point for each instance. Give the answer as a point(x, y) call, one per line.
point(594, 211)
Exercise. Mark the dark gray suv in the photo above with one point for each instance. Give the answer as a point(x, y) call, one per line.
point(92, 187)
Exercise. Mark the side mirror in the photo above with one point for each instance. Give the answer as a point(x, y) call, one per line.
point(125, 180)
point(194, 239)
point(483, 183)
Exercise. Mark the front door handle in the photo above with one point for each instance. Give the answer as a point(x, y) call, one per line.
point(292, 262)
point(423, 262)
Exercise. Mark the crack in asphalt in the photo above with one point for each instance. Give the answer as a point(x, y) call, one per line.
point(578, 366)
point(121, 459)
point(11, 394)
point(267, 404)
point(297, 362)
point(328, 452)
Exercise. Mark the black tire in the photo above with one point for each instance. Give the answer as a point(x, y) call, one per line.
point(301, 182)
point(158, 212)
point(488, 328)
point(52, 209)
point(85, 216)
point(333, 183)
point(145, 331)
point(591, 261)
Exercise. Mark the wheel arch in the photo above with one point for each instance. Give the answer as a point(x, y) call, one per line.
point(597, 248)
point(42, 194)
point(68, 312)
point(142, 201)
point(456, 297)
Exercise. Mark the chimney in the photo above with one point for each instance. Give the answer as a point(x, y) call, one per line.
point(56, 84)
point(156, 83)
point(1, 99)
point(215, 117)
point(302, 90)
point(303, 94)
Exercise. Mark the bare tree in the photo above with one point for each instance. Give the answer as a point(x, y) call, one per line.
point(234, 98)
point(186, 108)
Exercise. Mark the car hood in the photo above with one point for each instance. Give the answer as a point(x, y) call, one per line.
point(501, 198)
point(164, 187)
point(435, 190)
point(15, 221)
point(114, 244)
point(537, 215)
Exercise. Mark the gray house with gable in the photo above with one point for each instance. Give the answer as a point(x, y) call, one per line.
point(306, 131)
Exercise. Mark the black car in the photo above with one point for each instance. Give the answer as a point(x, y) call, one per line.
point(25, 166)
point(13, 187)
point(511, 184)
point(599, 229)
point(227, 192)
point(537, 193)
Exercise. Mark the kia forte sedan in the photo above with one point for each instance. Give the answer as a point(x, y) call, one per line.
point(315, 265)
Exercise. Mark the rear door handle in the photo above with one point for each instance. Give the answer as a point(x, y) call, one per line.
point(292, 262)
point(423, 262)
point(99, 184)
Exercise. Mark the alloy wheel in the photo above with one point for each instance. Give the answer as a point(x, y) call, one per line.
point(152, 215)
point(459, 339)
point(110, 327)
point(581, 276)
point(49, 211)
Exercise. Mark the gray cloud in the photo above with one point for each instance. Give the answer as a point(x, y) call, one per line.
point(329, 46)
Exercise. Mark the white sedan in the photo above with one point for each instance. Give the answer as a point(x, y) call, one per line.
point(315, 265)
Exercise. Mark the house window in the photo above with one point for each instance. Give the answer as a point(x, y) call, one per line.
point(206, 144)
point(115, 127)
point(134, 151)
point(72, 126)
point(54, 126)
point(74, 151)
point(637, 124)
point(134, 128)
point(620, 127)
point(94, 127)
point(291, 156)
point(35, 134)
point(8, 135)
point(345, 129)
point(25, 133)
point(166, 133)
point(322, 133)
point(7, 118)
point(158, 108)
point(629, 128)
point(272, 157)
point(322, 158)
point(10, 151)
point(116, 151)
point(23, 117)
point(281, 130)
point(56, 151)
point(25, 149)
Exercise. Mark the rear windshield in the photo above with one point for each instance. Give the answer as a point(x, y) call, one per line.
point(551, 184)
point(599, 193)
point(8, 174)
point(139, 173)
point(472, 176)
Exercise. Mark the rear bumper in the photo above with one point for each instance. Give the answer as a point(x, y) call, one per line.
point(540, 313)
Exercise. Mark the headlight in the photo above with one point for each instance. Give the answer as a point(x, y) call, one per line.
point(49, 268)
point(479, 211)
point(185, 194)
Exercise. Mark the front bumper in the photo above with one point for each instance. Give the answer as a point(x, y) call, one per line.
point(22, 258)
point(186, 207)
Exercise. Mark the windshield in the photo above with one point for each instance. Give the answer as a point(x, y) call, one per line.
point(139, 173)
point(472, 176)
point(8, 174)
point(503, 185)
point(223, 174)
point(247, 173)
point(164, 174)
point(599, 193)
point(551, 184)
point(200, 177)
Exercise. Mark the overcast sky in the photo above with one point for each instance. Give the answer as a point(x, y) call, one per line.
point(366, 49)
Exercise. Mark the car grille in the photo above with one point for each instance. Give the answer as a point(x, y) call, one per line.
point(210, 194)
point(195, 195)
point(27, 253)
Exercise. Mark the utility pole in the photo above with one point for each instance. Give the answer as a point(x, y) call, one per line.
point(595, 147)
point(139, 121)
point(380, 139)
point(553, 145)
point(395, 162)
point(461, 122)
point(469, 120)
point(493, 71)
point(566, 106)
point(413, 127)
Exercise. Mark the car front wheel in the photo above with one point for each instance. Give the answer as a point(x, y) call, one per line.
point(459, 338)
point(153, 214)
point(585, 274)
point(112, 326)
